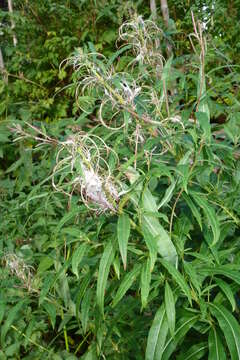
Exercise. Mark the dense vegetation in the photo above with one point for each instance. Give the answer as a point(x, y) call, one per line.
point(119, 180)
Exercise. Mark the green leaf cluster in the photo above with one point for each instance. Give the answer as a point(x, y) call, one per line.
point(153, 271)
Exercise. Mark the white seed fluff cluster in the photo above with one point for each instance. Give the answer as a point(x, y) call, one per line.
point(19, 268)
point(100, 191)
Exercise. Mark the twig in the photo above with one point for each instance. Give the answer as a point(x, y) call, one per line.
point(165, 14)
point(2, 68)
point(199, 36)
point(81, 343)
point(153, 9)
point(29, 339)
point(21, 77)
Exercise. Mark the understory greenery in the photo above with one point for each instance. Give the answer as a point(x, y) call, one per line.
point(119, 183)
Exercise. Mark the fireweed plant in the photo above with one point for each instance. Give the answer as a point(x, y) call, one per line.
point(80, 166)
point(138, 233)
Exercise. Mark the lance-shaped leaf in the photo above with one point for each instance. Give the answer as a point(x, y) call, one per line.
point(145, 282)
point(216, 349)
point(221, 270)
point(226, 289)
point(151, 244)
point(183, 326)
point(193, 208)
point(204, 123)
point(162, 240)
point(168, 194)
point(195, 352)
point(11, 316)
point(170, 308)
point(51, 311)
point(126, 284)
point(77, 258)
point(85, 307)
point(201, 92)
point(104, 267)
point(230, 328)
point(177, 276)
point(210, 214)
point(157, 335)
point(123, 232)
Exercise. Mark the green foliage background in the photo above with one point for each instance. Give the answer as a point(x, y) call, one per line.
point(159, 277)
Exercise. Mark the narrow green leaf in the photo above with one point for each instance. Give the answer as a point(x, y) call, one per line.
point(64, 291)
point(194, 210)
point(74, 232)
point(182, 328)
point(210, 215)
point(117, 53)
point(2, 309)
point(116, 266)
point(12, 350)
point(123, 232)
point(47, 284)
point(184, 171)
point(45, 263)
point(34, 198)
point(185, 159)
point(157, 335)
point(168, 195)
point(216, 349)
point(51, 310)
point(204, 123)
point(145, 281)
point(201, 92)
point(81, 291)
point(195, 352)
point(177, 276)
point(104, 267)
point(230, 328)
point(77, 258)
point(151, 244)
point(126, 284)
point(226, 289)
point(163, 243)
point(166, 69)
point(170, 308)
point(12, 314)
point(15, 165)
point(85, 306)
point(67, 217)
point(221, 270)
point(150, 224)
point(193, 276)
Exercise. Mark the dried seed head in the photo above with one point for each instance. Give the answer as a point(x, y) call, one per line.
point(19, 268)
point(97, 190)
point(142, 35)
point(88, 173)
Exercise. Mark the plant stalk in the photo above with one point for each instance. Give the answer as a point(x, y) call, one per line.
point(165, 15)
point(153, 9)
point(2, 68)
point(10, 9)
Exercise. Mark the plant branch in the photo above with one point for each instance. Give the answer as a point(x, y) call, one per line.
point(2, 68)
point(10, 9)
point(153, 9)
point(165, 14)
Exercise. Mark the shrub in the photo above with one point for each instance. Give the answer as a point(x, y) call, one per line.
point(121, 226)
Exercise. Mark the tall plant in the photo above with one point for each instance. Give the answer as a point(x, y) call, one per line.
point(127, 237)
